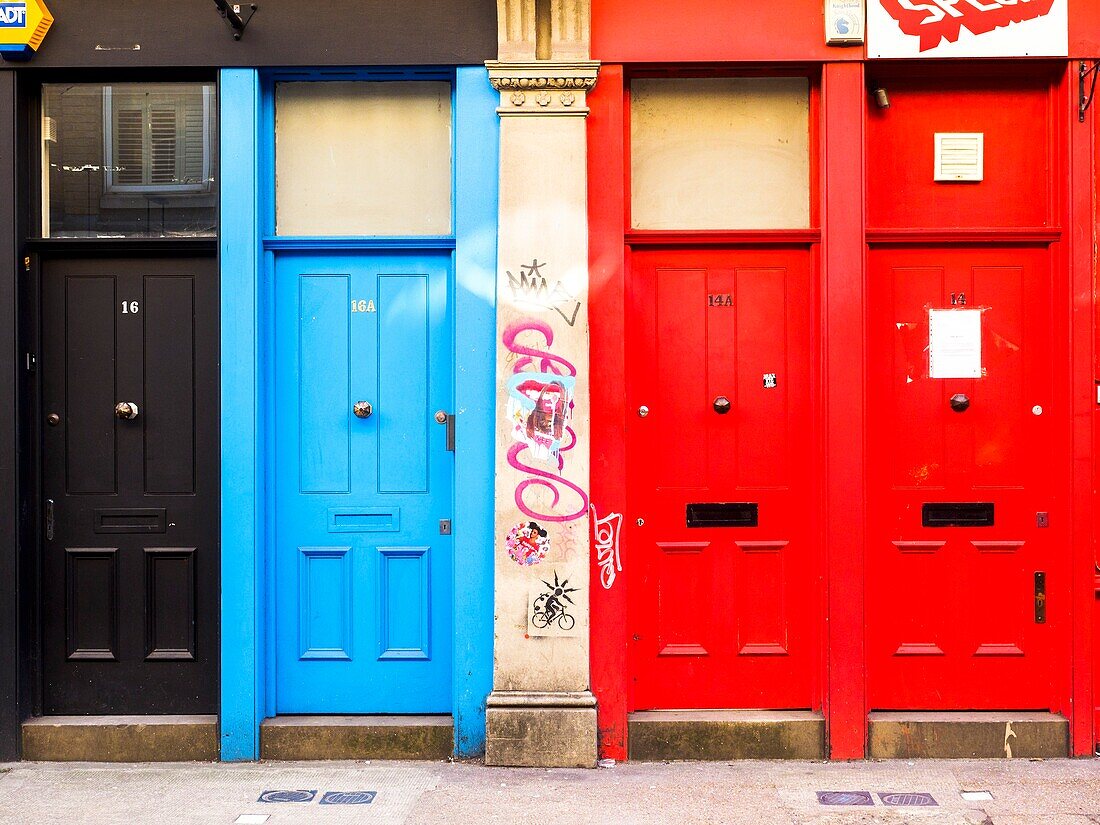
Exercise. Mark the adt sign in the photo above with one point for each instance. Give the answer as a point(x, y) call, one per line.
point(13, 15)
point(23, 25)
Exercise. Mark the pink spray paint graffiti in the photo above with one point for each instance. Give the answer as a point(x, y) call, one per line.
point(540, 408)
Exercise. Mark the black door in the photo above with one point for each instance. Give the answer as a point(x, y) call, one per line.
point(130, 486)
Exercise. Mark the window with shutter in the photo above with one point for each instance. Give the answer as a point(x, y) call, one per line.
point(156, 139)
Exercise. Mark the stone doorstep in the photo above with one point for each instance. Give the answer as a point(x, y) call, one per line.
point(286, 738)
point(967, 735)
point(121, 739)
point(713, 735)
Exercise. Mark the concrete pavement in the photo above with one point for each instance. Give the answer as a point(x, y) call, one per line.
point(1055, 792)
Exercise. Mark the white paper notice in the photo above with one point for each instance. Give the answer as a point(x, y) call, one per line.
point(955, 343)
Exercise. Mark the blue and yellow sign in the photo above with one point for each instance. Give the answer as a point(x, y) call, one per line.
point(23, 25)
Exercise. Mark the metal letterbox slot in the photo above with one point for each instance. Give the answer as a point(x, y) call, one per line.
point(957, 514)
point(364, 519)
point(129, 520)
point(731, 514)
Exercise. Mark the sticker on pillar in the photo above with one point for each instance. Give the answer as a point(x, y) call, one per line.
point(527, 543)
point(551, 608)
point(23, 26)
point(955, 343)
point(540, 405)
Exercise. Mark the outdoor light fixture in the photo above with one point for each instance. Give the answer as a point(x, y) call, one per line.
point(232, 14)
point(882, 99)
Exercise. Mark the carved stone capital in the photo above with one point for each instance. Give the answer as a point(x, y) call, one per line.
point(543, 87)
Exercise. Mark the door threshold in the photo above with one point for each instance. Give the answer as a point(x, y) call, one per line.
point(713, 735)
point(118, 738)
point(967, 735)
point(426, 737)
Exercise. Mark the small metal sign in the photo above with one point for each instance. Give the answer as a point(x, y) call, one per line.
point(844, 22)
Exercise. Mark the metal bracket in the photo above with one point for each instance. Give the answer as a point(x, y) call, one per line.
point(1084, 101)
point(232, 14)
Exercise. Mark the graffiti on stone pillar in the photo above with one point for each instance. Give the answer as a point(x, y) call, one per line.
point(531, 289)
point(606, 540)
point(540, 407)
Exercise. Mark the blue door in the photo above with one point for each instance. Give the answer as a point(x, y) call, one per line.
point(363, 479)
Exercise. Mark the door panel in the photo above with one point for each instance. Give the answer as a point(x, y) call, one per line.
point(363, 575)
point(723, 607)
point(952, 609)
point(131, 566)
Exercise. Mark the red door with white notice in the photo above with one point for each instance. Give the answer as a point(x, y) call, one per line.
point(967, 556)
point(720, 480)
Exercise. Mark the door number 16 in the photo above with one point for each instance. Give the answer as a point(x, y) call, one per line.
point(131, 307)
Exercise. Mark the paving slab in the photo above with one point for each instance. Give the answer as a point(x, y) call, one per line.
point(1022, 792)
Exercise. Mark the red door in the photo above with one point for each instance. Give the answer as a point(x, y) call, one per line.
point(965, 605)
point(720, 476)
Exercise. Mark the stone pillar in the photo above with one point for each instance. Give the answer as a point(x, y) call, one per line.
point(541, 711)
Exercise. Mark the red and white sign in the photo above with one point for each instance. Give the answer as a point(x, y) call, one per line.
point(967, 28)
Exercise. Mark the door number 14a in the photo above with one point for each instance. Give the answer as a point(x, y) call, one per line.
point(363, 306)
point(131, 307)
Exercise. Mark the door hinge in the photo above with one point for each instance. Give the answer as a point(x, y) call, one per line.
point(1040, 597)
point(49, 519)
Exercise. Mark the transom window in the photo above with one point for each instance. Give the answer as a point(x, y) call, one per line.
point(129, 160)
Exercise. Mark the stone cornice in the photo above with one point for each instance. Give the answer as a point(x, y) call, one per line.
point(543, 87)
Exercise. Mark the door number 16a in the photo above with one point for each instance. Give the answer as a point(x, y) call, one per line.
point(363, 306)
point(131, 307)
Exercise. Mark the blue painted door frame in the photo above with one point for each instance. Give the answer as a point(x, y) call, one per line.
point(247, 690)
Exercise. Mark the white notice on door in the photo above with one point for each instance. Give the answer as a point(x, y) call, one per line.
point(955, 343)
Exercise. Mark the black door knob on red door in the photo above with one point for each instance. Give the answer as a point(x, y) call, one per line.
point(960, 402)
point(721, 405)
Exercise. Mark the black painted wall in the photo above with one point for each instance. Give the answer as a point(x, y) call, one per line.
point(182, 33)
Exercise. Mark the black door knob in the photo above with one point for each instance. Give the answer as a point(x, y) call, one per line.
point(721, 405)
point(960, 402)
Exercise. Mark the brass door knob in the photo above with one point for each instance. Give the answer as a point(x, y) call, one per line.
point(126, 410)
point(362, 409)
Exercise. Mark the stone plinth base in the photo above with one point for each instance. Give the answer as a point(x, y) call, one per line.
point(540, 730)
point(968, 735)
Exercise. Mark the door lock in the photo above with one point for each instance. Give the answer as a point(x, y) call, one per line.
point(643, 411)
point(1040, 597)
point(126, 410)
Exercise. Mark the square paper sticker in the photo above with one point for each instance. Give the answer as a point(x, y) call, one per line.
point(955, 343)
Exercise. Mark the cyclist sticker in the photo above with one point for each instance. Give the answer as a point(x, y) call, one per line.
point(551, 609)
point(527, 543)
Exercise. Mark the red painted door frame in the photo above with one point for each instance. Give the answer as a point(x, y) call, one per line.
point(842, 262)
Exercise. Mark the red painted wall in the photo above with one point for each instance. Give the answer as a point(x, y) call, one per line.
point(640, 31)
point(1014, 116)
point(1084, 28)
point(643, 31)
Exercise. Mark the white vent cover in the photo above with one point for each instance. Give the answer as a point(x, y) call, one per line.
point(960, 156)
